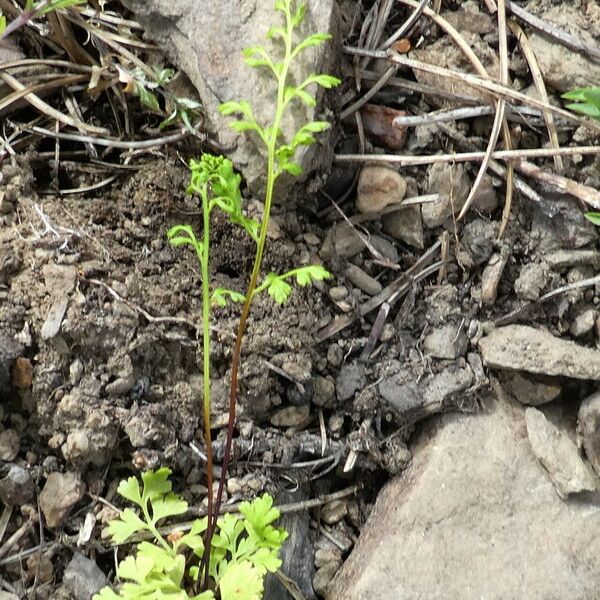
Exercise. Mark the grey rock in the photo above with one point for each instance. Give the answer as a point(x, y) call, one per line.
point(335, 355)
point(327, 555)
point(524, 348)
point(75, 371)
point(334, 511)
point(476, 243)
point(338, 292)
point(207, 45)
point(324, 576)
point(8, 596)
point(588, 428)
point(473, 482)
point(559, 455)
point(386, 248)
point(62, 491)
point(555, 225)
point(350, 379)
point(324, 391)
point(363, 281)
point(485, 199)
point(583, 322)
point(413, 400)
point(562, 68)
point(448, 341)
point(10, 350)
point(405, 225)
point(563, 259)
point(17, 487)
point(342, 241)
point(529, 389)
point(83, 578)
point(453, 185)
point(290, 416)
point(532, 279)
point(54, 317)
point(10, 443)
point(120, 386)
point(490, 278)
point(76, 446)
point(379, 187)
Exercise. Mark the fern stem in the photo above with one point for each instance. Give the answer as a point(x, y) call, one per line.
point(260, 247)
point(204, 261)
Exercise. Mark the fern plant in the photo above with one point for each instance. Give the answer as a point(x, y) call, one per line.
point(218, 187)
point(166, 568)
point(280, 154)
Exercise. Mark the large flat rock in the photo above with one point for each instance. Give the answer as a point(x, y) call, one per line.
point(523, 348)
point(474, 517)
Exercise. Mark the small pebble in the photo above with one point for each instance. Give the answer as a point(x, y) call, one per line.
point(22, 374)
point(17, 487)
point(323, 577)
point(387, 333)
point(311, 239)
point(290, 416)
point(362, 280)
point(334, 511)
point(338, 293)
point(10, 444)
point(335, 355)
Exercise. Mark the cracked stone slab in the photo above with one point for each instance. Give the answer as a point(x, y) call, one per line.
point(524, 348)
point(474, 516)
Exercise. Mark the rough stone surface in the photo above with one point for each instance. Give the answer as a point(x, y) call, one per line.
point(343, 241)
point(531, 281)
point(17, 487)
point(588, 427)
point(446, 528)
point(562, 68)
point(448, 341)
point(10, 443)
point(201, 43)
point(83, 578)
point(350, 379)
point(559, 455)
point(452, 184)
point(583, 322)
point(60, 494)
point(476, 243)
point(9, 352)
point(290, 416)
point(528, 389)
point(524, 348)
point(413, 400)
point(405, 225)
point(379, 187)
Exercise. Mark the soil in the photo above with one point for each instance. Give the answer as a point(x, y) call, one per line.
point(100, 353)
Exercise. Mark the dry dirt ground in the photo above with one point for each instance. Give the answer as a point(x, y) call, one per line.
point(99, 329)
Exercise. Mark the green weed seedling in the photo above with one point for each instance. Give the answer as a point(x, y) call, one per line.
point(244, 547)
point(587, 102)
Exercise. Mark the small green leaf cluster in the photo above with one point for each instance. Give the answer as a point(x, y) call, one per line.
point(587, 101)
point(215, 181)
point(243, 550)
point(183, 110)
point(258, 57)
